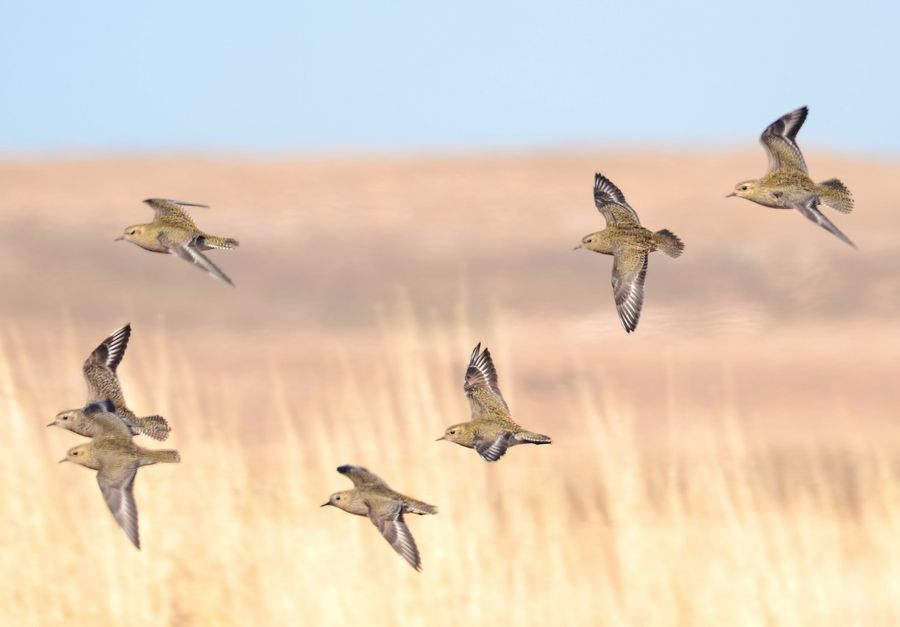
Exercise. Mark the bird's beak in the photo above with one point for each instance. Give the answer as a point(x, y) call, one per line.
point(120, 238)
point(730, 195)
point(51, 424)
point(441, 438)
point(324, 504)
point(64, 459)
point(577, 247)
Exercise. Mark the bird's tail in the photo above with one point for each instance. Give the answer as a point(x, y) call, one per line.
point(668, 242)
point(533, 438)
point(214, 241)
point(836, 195)
point(161, 456)
point(156, 427)
point(419, 507)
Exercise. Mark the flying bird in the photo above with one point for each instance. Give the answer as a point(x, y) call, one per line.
point(172, 230)
point(115, 457)
point(491, 431)
point(630, 245)
point(787, 184)
point(103, 383)
point(372, 497)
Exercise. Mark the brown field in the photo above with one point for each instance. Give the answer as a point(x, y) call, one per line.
point(735, 462)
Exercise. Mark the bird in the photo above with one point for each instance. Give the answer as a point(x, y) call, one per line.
point(630, 244)
point(372, 497)
point(174, 231)
point(116, 458)
point(787, 184)
point(103, 383)
point(491, 431)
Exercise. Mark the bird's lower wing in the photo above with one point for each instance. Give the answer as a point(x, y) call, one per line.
point(195, 257)
point(389, 521)
point(493, 449)
point(628, 274)
point(118, 492)
point(811, 211)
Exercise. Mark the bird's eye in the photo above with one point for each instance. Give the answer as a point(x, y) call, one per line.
point(65, 417)
point(74, 453)
point(743, 188)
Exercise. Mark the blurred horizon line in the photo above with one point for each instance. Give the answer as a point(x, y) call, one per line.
point(435, 151)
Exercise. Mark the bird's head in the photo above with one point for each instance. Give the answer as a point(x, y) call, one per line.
point(133, 233)
point(71, 419)
point(745, 189)
point(589, 242)
point(82, 455)
point(459, 434)
point(342, 500)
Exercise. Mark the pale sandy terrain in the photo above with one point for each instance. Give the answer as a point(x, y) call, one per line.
point(734, 462)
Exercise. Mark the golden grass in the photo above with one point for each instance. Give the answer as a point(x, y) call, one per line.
point(707, 527)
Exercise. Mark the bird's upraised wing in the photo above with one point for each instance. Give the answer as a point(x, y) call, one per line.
point(610, 201)
point(480, 385)
point(779, 140)
point(173, 212)
point(100, 367)
point(362, 477)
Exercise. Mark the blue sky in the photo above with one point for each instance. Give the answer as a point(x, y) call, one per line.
point(301, 77)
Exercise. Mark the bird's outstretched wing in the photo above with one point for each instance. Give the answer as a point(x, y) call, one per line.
point(192, 255)
point(388, 518)
point(611, 202)
point(780, 141)
point(362, 477)
point(628, 274)
point(173, 211)
point(493, 449)
point(480, 384)
point(811, 211)
point(100, 367)
point(117, 487)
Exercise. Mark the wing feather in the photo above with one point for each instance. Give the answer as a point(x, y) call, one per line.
point(362, 477)
point(389, 521)
point(628, 274)
point(811, 211)
point(117, 488)
point(480, 384)
point(780, 141)
point(610, 202)
point(492, 450)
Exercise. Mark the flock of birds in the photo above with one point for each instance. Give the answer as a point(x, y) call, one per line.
point(491, 431)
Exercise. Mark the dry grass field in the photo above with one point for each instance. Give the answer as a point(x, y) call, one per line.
point(735, 462)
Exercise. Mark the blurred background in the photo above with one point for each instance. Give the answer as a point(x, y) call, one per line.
point(406, 181)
